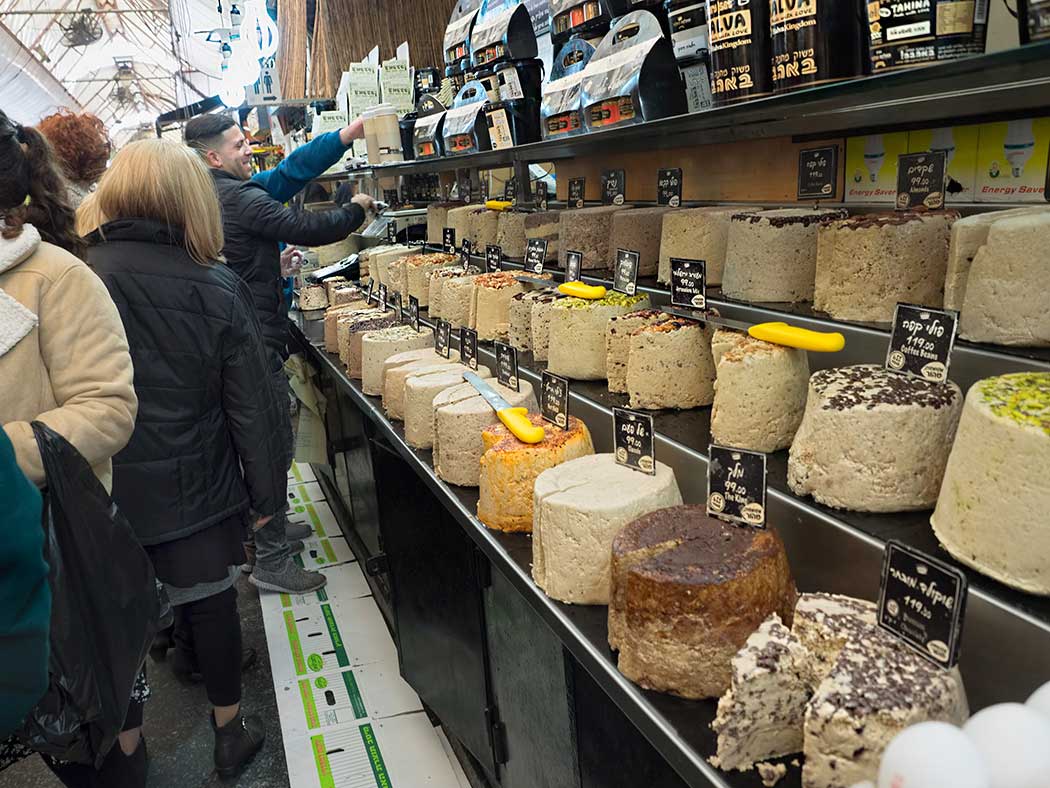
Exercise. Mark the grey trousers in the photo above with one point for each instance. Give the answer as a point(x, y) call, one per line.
point(271, 543)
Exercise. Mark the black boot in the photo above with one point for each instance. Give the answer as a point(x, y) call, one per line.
point(118, 770)
point(162, 642)
point(236, 743)
point(125, 771)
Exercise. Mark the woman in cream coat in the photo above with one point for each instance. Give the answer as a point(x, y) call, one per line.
point(63, 357)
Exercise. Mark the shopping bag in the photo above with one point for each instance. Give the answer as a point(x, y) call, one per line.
point(105, 610)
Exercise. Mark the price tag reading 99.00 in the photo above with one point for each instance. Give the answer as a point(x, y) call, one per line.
point(736, 485)
point(634, 440)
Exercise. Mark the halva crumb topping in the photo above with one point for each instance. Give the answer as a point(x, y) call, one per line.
point(867, 386)
point(1022, 397)
point(611, 299)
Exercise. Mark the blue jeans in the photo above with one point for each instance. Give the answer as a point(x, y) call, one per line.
point(271, 543)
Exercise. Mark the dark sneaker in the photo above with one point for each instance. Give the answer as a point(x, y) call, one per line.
point(236, 743)
point(290, 579)
point(293, 531)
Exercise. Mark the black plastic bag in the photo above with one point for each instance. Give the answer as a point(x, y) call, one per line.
point(105, 610)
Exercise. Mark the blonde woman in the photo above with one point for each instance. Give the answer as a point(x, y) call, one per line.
point(201, 461)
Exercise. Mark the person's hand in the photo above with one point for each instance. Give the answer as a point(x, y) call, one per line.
point(291, 261)
point(355, 131)
point(366, 203)
point(261, 522)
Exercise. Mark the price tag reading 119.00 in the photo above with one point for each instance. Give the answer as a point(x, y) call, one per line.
point(922, 601)
point(922, 341)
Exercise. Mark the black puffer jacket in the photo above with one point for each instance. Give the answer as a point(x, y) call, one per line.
point(205, 444)
point(254, 223)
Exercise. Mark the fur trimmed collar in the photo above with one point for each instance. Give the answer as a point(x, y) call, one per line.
point(16, 321)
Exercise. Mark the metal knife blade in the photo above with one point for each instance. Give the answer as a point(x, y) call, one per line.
point(485, 390)
point(706, 317)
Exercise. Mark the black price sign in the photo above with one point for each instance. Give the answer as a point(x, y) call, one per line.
point(507, 366)
point(448, 240)
point(554, 399)
point(371, 290)
point(465, 188)
point(818, 172)
point(922, 341)
point(464, 251)
point(688, 283)
point(573, 266)
point(413, 312)
point(468, 347)
point(541, 195)
point(921, 179)
point(493, 258)
point(485, 189)
point(509, 188)
point(669, 187)
point(625, 275)
point(391, 231)
point(577, 190)
point(382, 297)
point(614, 187)
point(736, 485)
point(395, 300)
point(443, 338)
point(536, 255)
point(634, 440)
point(922, 601)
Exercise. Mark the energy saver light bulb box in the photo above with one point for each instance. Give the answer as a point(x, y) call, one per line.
point(871, 167)
point(1012, 161)
point(959, 144)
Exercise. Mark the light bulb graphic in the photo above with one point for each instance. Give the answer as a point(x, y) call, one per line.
point(943, 140)
point(1019, 145)
point(258, 30)
point(874, 155)
point(238, 71)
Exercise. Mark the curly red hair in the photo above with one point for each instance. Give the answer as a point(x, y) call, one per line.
point(80, 142)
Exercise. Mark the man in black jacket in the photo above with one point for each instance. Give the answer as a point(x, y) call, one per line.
point(255, 224)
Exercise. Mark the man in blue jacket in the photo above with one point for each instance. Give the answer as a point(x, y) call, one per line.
point(255, 223)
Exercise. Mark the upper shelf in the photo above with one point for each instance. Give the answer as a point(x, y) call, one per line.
point(1012, 83)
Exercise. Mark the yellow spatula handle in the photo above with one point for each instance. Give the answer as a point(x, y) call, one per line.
point(517, 421)
point(580, 290)
point(498, 205)
point(793, 336)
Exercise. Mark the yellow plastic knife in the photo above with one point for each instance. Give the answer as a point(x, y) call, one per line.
point(580, 290)
point(779, 333)
point(576, 289)
point(499, 205)
point(515, 419)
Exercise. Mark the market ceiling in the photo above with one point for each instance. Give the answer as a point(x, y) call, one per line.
point(127, 61)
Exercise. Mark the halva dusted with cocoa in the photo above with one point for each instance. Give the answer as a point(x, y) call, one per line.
point(739, 31)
